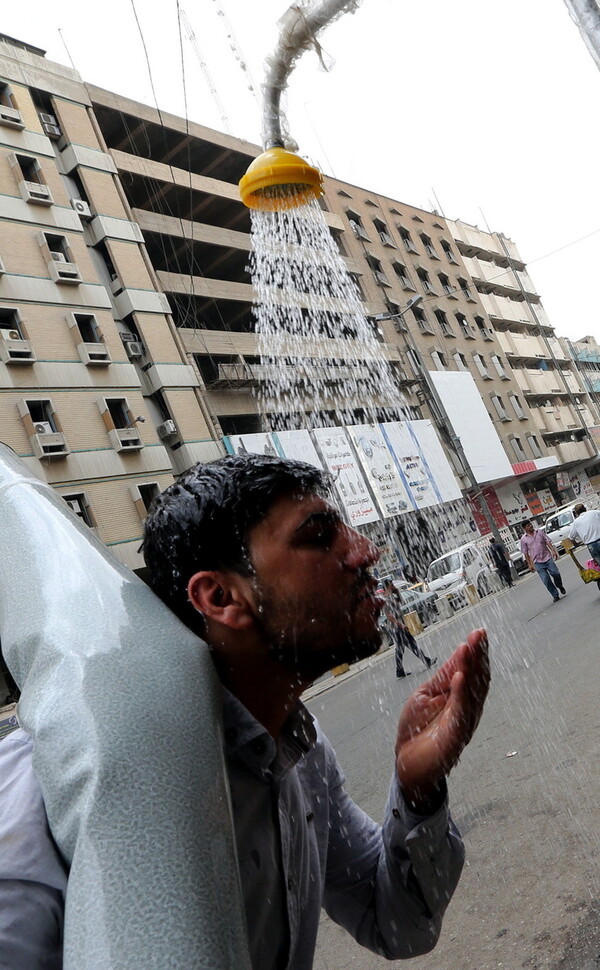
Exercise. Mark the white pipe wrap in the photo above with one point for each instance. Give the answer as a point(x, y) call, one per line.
point(124, 708)
point(586, 14)
point(299, 27)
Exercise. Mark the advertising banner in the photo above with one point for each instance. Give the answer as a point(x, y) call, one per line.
point(581, 485)
point(351, 488)
point(298, 445)
point(253, 444)
point(471, 422)
point(514, 503)
point(536, 506)
point(410, 465)
point(439, 468)
point(380, 469)
point(495, 507)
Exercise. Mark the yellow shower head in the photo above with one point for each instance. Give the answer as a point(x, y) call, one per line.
point(278, 179)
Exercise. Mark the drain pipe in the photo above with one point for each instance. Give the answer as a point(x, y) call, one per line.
point(586, 14)
point(124, 708)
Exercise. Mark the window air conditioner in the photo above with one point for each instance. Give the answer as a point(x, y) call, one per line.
point(47, 119)
point(43, 427)
point(52, 131)
point(10, 334)
point(82, 208)
point(134, 349)
point(166, 429)
point(127, 337)
point(58, 257)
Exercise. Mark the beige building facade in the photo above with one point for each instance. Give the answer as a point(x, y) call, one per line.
point(127, 337)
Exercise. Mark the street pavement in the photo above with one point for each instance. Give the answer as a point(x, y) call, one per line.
point(526, 794)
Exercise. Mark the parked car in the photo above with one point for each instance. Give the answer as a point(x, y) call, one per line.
point(557, 524)
point(423, 603)
point(519, 562)
point(467, 564)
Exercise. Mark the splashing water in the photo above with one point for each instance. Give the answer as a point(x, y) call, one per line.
point(320, 356)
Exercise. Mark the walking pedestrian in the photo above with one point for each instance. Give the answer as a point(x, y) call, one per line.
point(501, 559)
point(541, 555)
point(402, 635)
point(586, 528)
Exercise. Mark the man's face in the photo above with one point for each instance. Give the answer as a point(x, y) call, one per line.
point(316, 597)
point(529, 529)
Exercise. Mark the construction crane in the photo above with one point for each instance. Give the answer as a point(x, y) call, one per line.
point(204, 67)
point(236, 50)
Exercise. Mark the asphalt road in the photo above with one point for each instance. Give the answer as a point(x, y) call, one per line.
point(526, 794)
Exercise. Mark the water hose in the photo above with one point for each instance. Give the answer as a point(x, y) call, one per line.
point(280, 179)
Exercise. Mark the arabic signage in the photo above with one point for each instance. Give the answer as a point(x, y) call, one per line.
point(380, 469)
point(339, 458)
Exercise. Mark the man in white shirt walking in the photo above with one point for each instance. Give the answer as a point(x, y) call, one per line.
point(586, 528)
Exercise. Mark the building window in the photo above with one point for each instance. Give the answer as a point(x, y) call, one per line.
point(499, 407)
point(439, 360)
point(355, 277)
point(517, 448)
point(479, 361)
point(143, 496)
point(407, 239)
point(534, 446)
point(10, 116)
point(59, 258)
point(516, 406)
point(43, 429)
point(119, 412)
point(425, 281)
point(466, 290)
point(421, 319)
point(465, 327)
point(461, 361)
point(442, 320)
point(337, 236)
point(89, 340)
point(79, 504)
point(10, 324)
point(447, 286)
point(42, 414)
point(448, 251)
point(356, 225)
point(428, 246)
point(377, 270)
point(401, 273)
point(486, 332)
point(30, 180)
point(120, 424)
point(497, 362)
point(384, 233)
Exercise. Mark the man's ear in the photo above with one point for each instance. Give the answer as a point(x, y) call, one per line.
point(223, 597)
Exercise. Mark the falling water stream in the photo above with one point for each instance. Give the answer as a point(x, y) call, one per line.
point(322, 364)
point(320, 355)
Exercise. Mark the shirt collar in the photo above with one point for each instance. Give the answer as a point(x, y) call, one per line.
point(246, 740)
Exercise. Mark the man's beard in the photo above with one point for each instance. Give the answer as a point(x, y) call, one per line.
point(309, 664)
point(298, 647)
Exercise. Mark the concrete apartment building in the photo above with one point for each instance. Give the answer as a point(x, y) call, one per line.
point(127, 344)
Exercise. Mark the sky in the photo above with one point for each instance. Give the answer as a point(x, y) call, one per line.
point(484, 109)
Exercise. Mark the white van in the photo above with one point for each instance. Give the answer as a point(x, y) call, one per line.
point(558, 523)
point(467, 564)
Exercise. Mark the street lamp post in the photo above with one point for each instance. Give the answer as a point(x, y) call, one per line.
point(442, 415)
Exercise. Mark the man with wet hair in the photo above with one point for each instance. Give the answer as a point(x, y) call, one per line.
point(251, 553)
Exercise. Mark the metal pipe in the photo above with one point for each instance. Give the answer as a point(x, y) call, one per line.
point(124, 709)
point(586, 14)
point(299, 27)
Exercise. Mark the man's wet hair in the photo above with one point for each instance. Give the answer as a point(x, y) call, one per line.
point(203, 520)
